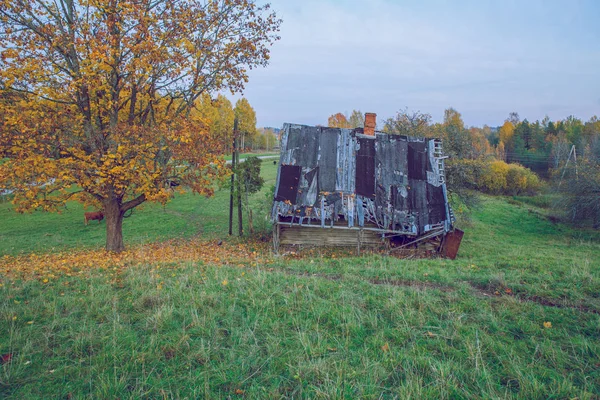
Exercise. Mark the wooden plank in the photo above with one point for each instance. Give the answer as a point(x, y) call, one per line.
point(309, 236)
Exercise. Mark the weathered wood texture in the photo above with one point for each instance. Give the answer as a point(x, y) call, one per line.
point(316, 236)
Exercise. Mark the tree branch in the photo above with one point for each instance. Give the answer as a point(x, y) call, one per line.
point(133, 203)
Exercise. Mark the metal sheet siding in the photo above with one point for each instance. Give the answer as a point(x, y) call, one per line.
point(394, 183)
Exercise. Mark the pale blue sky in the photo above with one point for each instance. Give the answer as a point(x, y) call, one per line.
point(484, 58)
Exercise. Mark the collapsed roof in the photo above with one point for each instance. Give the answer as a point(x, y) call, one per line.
point(390, 184)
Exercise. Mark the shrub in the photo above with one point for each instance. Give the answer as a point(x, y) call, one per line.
point(491, 176)
point(521, 180)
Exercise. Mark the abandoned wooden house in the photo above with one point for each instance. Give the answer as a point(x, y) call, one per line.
point(359, 187)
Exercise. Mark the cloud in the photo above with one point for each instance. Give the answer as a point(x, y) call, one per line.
point(382, 56)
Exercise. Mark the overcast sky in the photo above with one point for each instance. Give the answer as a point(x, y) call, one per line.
point(484, 58)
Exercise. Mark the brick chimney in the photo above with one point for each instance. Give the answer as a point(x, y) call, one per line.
point(370, 123)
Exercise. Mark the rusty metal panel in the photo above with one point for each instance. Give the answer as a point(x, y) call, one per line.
point(283, 156)
point(417, 202)
point(346, 162)
point(308, 147)
point(293, 136)
point(417, 159)
point(392, 183)
point(328, 159)
point(391, 161)
point(289, 177)
point(452, 243)
point(308, 187)
point(436, 205)
point(365, 167)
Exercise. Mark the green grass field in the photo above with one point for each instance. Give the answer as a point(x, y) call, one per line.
point(187, 216)
point(516, 315)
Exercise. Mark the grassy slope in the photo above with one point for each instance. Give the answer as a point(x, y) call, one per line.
point(372, 326)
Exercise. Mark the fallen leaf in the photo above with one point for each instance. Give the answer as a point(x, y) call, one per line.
point(385, 347)
point(5, 358)
point(547, 324)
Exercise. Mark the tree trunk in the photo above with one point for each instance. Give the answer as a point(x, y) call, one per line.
point(249, 210)
point(250, 224)
point(232, 191)
point(239, 204)
point(114, 226)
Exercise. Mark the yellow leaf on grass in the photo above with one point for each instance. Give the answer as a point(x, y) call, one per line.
point(547, 324)
point(385, 347)
point(225, 282)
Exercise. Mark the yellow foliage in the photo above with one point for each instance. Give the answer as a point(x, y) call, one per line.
point(47, 267)
point(520, 180)
point(338, 120)
point(104, 112)
point(246, 117)
point(506, 132)
point(494, 177)
point(499, 177)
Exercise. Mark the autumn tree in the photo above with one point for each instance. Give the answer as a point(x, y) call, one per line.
point(246, 117)
point(338, 120)
point(456, 136)
point(513, 118)
point(506, 132)
point(218, 115)
point(357, 119)
point(408, 123)
point(500, 151)
point(265, 139)
point(270, 139)
point(223, 128)
point(480, 146)
point(104, 92)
